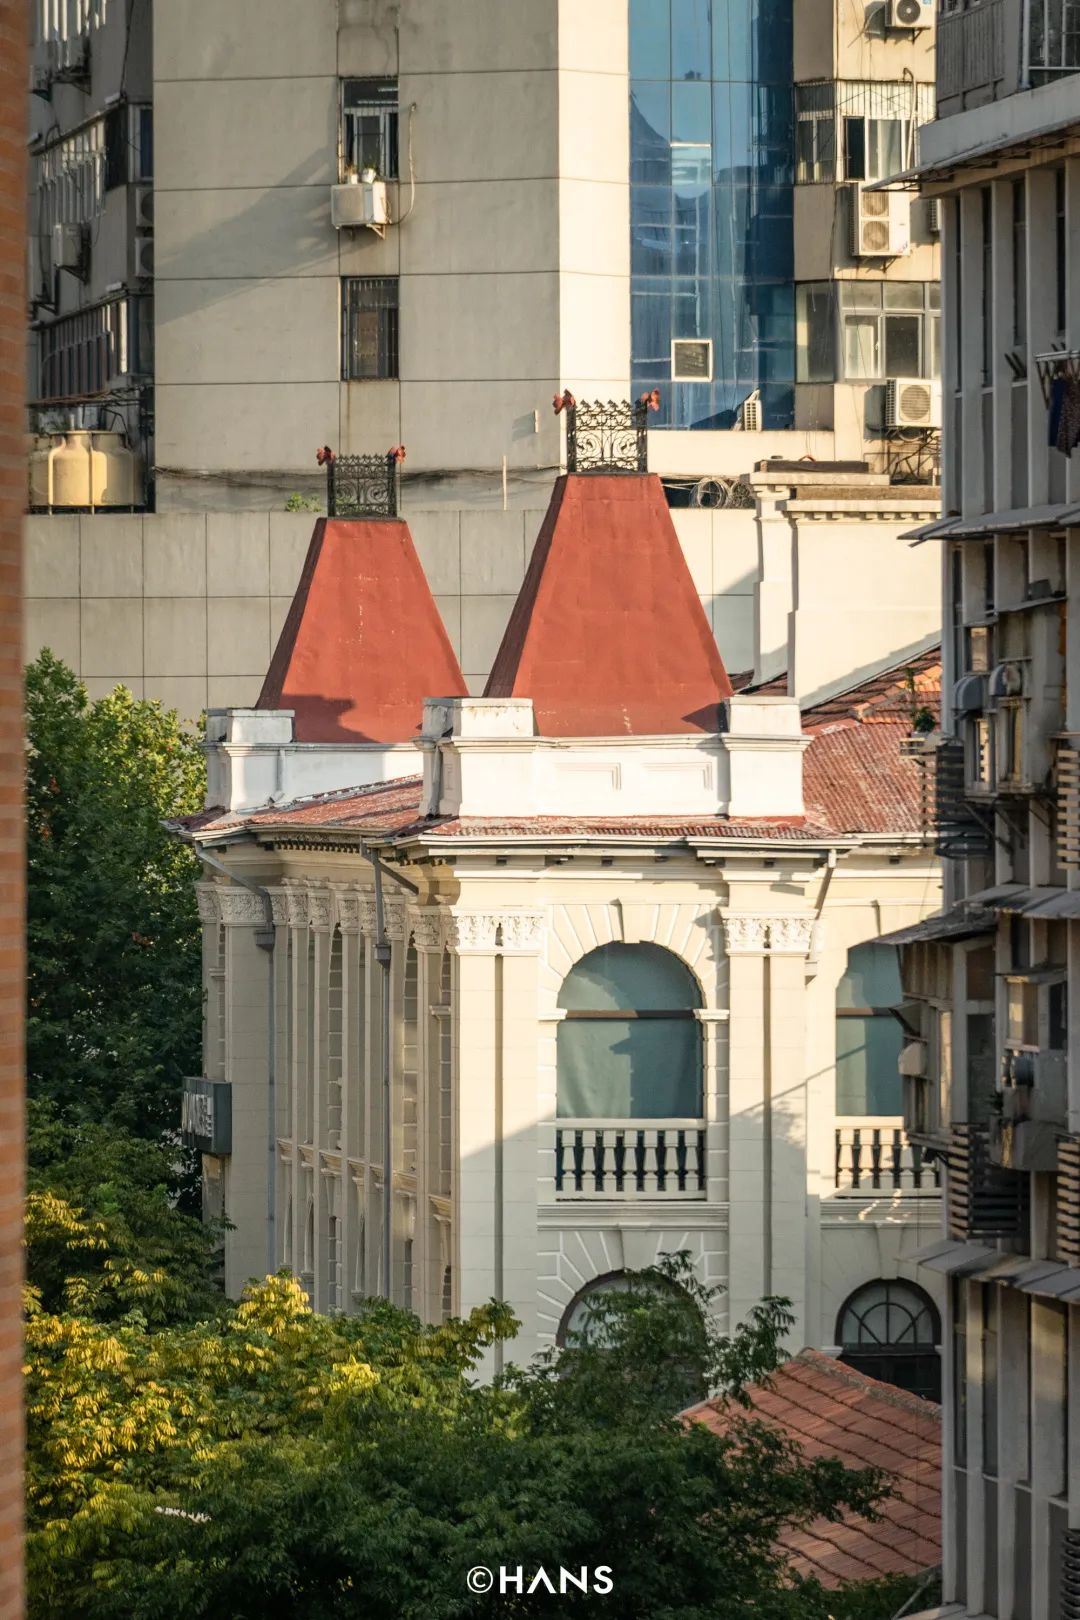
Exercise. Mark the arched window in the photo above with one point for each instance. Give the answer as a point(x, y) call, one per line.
point(868, 1037)
point(891, 1330)
point(577, 1317)
point(630, 1045)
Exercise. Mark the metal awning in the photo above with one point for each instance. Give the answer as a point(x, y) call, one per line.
point(963, 921)
point(1052, 515)
point(1044, 902)
point(1011, 144)
point(953, 1258)
point(1060, 1282)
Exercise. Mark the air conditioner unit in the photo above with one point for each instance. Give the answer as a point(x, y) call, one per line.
point(750, 413)
point(933, 216)
point(71, 249)
point(909, 14)
point(144, 208)
point(912, 402)
point(691, 360)
point(142, 258)
point(880, 223)
point(359, 203)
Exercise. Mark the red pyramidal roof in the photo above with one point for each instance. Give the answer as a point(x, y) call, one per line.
point(363, 644)
point(608, 635)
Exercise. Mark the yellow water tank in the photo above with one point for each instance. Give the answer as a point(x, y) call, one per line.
point(85, 470)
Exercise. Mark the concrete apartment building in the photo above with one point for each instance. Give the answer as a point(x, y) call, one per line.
point(591, 960)
point(992, 1074)
point(606, 198)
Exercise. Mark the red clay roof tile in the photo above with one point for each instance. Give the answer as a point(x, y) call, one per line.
point(831, 1410)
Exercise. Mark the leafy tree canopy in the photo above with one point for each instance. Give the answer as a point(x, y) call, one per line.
point(104, 1231)
point(113, 941)
point(270, 1462)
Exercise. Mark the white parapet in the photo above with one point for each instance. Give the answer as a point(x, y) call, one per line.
point(253, 761)
point(482, 758)
point(765, 744)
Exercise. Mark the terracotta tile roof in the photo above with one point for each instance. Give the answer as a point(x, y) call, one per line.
point(608, 636)
point(885, 695)
point(833, 1411)
point(363, 643)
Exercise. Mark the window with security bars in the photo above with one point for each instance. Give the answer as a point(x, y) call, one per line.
point(369, 327)
point(369, 126)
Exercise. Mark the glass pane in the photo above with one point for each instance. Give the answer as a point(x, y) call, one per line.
point(691, 113)
point(650, 49)
point(872, 978)
point(861, 350)
point(815, 334)
point(642, 977)
point(867, 1077)
point(885, 147)
point(903, 294)
point(902, 334)
point(629, 1069)
point(650, 230)
point(690, 39)
point(650, 133)
point(860, 294)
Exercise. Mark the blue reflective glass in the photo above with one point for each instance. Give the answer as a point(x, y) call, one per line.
point(717, 261)
point(650, 39)
point(650, 132)
point(690, 52)
point(691, 113)
point(650, 230)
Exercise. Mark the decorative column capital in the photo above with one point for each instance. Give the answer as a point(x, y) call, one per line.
point(206, 895)
point(365, 906)
point(425, 923)
point(241, 908)
point(472, 931)
point(512, 932)
point(521, 932)
point(745, 933)
point(790, 935)
point(394, 916)
point(320, 910)
point(296, 907)
point(348, 911)
point(280, 908)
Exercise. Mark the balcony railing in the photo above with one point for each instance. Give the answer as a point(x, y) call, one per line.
point(875, 1157)
point(630, 1158)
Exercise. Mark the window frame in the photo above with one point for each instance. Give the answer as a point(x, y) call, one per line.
point(386, 346)
point(382, 110)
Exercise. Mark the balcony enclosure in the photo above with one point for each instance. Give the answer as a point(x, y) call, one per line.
point(987, 49)
point(630, 1079)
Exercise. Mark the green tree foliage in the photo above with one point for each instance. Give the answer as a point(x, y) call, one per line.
point(271, 1462)
point(105, 1235)
point(113, 940)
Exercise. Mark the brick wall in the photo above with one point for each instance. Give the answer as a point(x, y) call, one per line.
point(13, 72)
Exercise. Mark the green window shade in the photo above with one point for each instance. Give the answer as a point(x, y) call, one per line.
point(872, 978)
point(624, 977)
point(867, 1077)
point(633, 1068)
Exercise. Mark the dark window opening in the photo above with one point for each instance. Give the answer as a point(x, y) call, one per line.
point(369, 126)
point(369, 328)
point(890, 1330)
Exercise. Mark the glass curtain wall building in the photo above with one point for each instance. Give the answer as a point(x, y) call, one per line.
point(711, 171)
